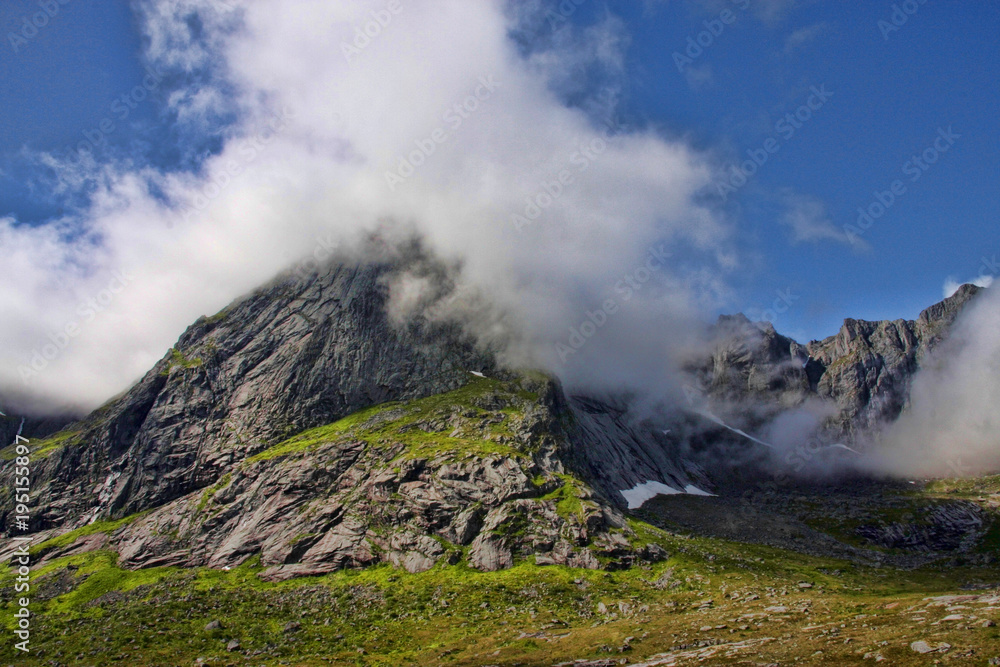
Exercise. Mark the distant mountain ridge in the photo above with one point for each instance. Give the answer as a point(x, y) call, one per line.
point(865, 369)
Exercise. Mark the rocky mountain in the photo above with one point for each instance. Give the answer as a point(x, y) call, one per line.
point(302, 479)
point(304, 426)
point(473, 474)
point(192, 442)
point(865, 370)
point(298, 353)
point(867, 367)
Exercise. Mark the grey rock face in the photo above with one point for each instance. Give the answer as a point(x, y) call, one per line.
point(295, 354)
point(865, 369)
point(391, 486)
point(618, 453)
point(756, 363)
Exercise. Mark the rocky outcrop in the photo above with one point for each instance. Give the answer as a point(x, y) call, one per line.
point(473, 475)
point(867, 367)
point(300, 352)
point(865, 370)
point(750, 370)
point(953, 527)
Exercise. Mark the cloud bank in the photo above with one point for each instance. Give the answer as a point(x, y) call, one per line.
point(339, 119)
point(950, 427)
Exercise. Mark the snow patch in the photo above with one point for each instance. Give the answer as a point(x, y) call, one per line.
point(639, 494)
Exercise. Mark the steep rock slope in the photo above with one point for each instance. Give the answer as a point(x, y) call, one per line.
point(295, 354)
point(472, 475)
point(617, 451)
point(867, 367)
point(865, 370)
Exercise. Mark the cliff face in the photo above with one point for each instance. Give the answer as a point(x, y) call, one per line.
point(865, 370)
point(474, 475)
point(867, 367)
point(296, 354)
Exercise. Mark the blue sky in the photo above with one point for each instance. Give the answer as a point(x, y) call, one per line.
point(891, 95)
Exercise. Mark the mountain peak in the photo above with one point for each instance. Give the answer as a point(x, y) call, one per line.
point(947, 310)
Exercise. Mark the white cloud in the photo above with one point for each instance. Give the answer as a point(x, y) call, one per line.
point(699, 76)
point(774, 10)
point(270, 193)
point(950, 426)
point(808, 219)
point(802, 36)
point(769, 11)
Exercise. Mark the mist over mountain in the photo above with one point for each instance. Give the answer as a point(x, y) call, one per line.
point(316, 160)
point(307, 350)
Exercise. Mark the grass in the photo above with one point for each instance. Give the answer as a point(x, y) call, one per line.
point(391, 424)
point(568, 497)
point(313, 438)
point(207, 494)
point(964, 487)
point(43, 448)
point(179, 360)
point(68, 538)
point(100, 576)
point(527, 615)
